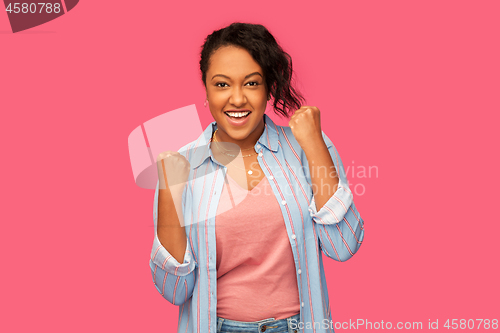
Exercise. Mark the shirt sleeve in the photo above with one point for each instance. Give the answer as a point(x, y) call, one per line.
point(173, 280)
point(335, 208)
point(338, 224)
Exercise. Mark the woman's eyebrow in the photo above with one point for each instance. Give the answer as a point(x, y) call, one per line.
point(246, 77)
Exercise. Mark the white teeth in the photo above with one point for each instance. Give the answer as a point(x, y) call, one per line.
point(237, 114)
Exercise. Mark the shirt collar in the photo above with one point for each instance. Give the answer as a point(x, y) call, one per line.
point(202, 148)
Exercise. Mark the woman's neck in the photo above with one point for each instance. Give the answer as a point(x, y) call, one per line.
point(245, 144)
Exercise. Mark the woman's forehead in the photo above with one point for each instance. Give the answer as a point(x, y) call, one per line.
point(232, 61)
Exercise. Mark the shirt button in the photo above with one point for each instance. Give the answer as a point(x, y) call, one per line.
point(258, 146)
point(302, 304)
point(260, 154)
point(299, 271)
point(271, 177)
point(293, 236)
point(283, 202)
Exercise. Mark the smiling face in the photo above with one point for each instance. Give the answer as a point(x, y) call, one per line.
point(237, 95)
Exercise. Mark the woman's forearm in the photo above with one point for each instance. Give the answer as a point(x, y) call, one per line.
point(170, 228)
point(324, 176)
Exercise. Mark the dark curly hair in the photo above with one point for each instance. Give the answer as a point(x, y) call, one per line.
point(262, 46)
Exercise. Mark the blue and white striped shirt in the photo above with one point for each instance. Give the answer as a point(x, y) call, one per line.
point(336, 229)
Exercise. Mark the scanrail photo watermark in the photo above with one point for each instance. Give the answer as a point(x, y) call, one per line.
point(366, 324)
point(360, 173)
point(284, 180)
point(356, 325)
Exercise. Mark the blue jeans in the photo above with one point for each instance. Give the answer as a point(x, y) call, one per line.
point(270, 325)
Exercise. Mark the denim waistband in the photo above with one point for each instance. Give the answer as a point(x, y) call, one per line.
point(270, 325)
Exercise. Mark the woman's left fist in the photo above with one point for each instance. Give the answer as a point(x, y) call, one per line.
point(305, 124)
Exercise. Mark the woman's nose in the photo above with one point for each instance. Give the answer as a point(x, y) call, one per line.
point(238, 98)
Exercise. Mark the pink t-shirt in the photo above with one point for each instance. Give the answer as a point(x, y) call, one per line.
point(255, 267)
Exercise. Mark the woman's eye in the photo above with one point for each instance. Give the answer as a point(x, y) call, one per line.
point(253, 83)
point(221, 84)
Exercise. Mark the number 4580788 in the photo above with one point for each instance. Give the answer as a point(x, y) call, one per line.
point(471, 324)
point(34, 8)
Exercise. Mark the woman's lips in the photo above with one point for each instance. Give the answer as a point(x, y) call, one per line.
point(237, 121)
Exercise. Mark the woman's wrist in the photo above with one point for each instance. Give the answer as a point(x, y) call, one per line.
point(313, 146)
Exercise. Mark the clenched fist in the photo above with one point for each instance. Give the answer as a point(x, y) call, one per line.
point(173, 171)
point(305, 124)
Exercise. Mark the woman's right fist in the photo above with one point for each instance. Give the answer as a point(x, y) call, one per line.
point(173, 170)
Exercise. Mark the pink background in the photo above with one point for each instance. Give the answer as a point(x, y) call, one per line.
point(409, 87)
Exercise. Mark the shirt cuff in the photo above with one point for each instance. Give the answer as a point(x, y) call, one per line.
point(334, 210)
point(162, 258)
